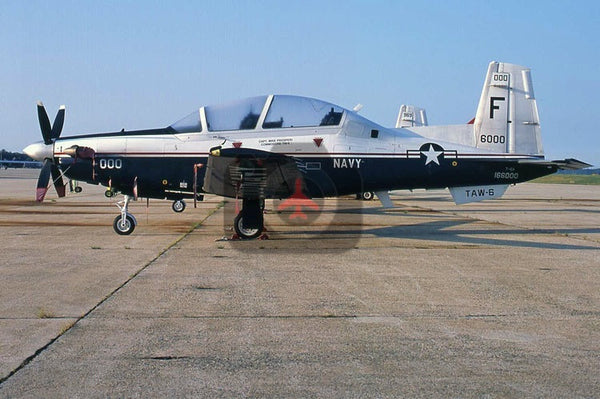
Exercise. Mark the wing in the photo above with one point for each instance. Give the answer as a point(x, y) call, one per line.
point(250, 174)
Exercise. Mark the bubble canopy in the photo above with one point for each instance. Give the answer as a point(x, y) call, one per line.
point(284, 111)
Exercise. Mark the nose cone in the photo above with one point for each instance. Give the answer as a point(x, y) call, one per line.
point(39, 151)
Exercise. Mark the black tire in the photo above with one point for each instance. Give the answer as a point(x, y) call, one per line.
point(125, 227)
point(178, 206)
point(367, 195)
point(244, 233)
point(78, 189)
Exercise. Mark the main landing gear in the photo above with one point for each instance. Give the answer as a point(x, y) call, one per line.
point(125, 223)
point(178, 206)
point(365, 196)
point(249, 223)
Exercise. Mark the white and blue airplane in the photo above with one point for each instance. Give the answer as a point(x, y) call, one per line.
point(274, 146)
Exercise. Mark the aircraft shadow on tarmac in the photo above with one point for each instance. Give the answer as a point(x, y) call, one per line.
point(457, 230)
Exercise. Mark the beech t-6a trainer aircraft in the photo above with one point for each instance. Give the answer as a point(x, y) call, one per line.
point(278, 145)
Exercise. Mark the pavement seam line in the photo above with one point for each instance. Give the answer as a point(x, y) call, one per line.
point(39, 351)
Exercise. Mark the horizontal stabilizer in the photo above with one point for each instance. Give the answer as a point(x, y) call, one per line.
point(565, 164)
point(463, 195)
point(571, 164)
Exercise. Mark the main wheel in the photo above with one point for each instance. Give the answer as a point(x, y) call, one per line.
point(178, 206)
point(78, 189)
point(246, 233)
point(124, 227)
point(367, 195)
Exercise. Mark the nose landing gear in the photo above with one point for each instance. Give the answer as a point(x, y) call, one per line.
point(125, 223)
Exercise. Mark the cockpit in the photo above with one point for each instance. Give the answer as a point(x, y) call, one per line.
point(262, 112)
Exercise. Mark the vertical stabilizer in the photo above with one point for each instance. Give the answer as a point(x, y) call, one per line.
point(507, 118)
point(411, 116)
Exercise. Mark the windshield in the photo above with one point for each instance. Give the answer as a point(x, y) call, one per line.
point(190, 123)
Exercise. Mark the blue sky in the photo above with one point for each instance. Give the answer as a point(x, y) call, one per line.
point(133, 64)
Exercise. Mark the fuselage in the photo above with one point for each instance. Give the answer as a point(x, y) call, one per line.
point(341, 155)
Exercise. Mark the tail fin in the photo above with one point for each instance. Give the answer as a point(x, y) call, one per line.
point(507, 118)
point(411, 116)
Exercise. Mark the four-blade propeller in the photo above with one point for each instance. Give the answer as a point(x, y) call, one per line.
point(50, 134)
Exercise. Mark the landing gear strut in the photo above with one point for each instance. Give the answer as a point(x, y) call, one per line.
point(249, 223)
point(125, 223)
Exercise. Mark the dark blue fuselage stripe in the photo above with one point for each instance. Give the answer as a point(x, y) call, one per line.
point(156, 175)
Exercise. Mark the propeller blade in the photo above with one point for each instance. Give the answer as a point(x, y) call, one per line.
point(42, 184)
point(58, 123)
point(59, 184)
point(44, 123)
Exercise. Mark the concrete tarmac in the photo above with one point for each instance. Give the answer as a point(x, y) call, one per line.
point(429, 299)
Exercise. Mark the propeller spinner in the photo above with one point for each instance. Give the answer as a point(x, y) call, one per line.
point(45, 151)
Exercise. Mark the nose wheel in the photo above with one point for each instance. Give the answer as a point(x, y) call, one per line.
point(125, 223)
